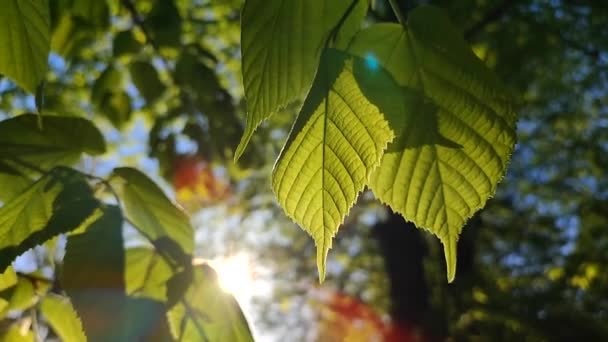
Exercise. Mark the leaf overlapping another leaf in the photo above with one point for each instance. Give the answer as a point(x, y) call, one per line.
point(58, 141)
point(281, 47)
point(154, 215)
point(205, 312)
point(57, 203)
point(455, 125)
point(334, 146)
point(62, 318)
point(94, 279)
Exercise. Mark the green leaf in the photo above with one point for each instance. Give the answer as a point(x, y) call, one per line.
point(22, 296)
point(25, 41)
point(335, 144)
point(154, 215)
point(147, 273)
point(164, 23)
point(125, 44)
point(57, 203)
point(62, 318)
point(206, 312)
point(145, 77)
point(454, 122)
point(109, 97)
point(60, 141)
point(281, 47)
point(13, 180)
point(17, 332)
point(8, 278)
point(94, 280)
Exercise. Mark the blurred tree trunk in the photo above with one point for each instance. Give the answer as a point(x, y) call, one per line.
point(415, 313)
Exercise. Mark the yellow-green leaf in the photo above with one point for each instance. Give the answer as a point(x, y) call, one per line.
point(57, 203)
point(454, 125)
point(24, 41)
point(334, 146)
point(281, 46)
point(62, 318)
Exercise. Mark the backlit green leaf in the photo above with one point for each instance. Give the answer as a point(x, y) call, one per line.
point(154, 215)
point(281, 47)
point(335, 144)
point(57, 203)
point(18, 332)
point(147, 274)
point(62, 318)
point(454, 123)
point(24, 41)
point(206, 312)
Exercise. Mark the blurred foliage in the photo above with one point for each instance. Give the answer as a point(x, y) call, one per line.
point(536, 255)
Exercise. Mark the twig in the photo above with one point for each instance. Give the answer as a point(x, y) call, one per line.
point(398, 13)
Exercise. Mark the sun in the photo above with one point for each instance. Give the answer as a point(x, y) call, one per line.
point(235, 275)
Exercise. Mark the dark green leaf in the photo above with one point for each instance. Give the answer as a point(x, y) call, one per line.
point(125, 44)
point(164, 22)
point(60, 140)
point(57, 203)
point(94, 280)
point(145, 77)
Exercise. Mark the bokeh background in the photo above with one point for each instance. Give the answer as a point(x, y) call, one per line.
point(162, 79)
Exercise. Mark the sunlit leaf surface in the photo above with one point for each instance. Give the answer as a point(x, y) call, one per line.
point(335, 144)
point(281, 47)
point(454, 123)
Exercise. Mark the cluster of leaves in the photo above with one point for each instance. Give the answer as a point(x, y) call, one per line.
point(406, 109)
point(116, 292)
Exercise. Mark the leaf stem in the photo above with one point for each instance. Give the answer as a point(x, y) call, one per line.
point(334, 32)
point(397, 11)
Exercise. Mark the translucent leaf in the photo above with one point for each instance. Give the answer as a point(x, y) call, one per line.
point(17, 332)
point(22, 296)
point(62, 318)
point(93, 278)
point(25, 41)
point(335, 144)
point(154, 215)
point(57, 203)
point(206, 312)
point(281, 47)
point(8, 278)
point(454, 122)
point(147, 274)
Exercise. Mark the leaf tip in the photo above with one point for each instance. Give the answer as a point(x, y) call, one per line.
point(243, 144)
point(322, 262)
point(449, 249)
